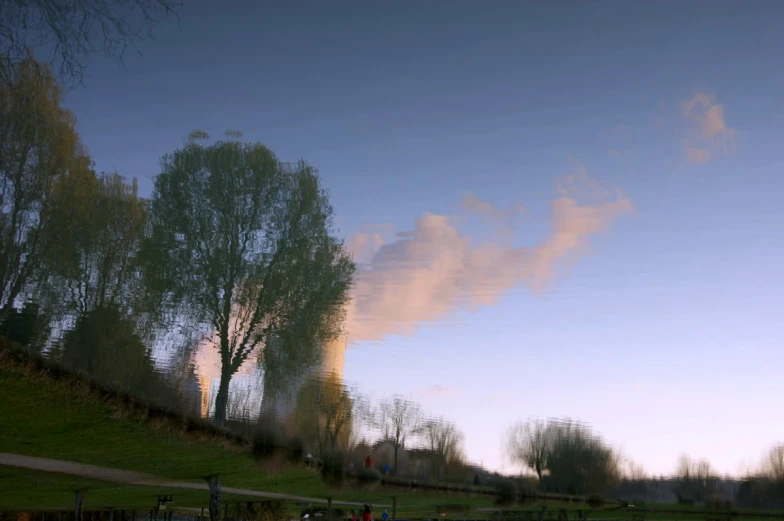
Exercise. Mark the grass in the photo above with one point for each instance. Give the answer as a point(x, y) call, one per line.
point(51, 415)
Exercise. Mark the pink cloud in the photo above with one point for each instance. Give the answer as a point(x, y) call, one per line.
point(433, 270)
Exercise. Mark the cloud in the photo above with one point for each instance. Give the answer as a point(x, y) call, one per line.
point(710, 136)
point(433, 270)
point(696, 156)
point(473, 204)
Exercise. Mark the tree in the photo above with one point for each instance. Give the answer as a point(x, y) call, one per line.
point(695, 478)
point(444, 440)
point(69, 29)
point(38, 145)
point(527, 445)
point(242, 243)
point(775, 463)
point(327, 413)
point(398, 418)
point(96, 226)
point(577, 460)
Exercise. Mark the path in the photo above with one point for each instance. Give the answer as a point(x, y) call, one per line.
point(137, 478)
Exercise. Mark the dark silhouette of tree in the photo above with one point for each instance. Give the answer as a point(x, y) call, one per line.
point(38, 145)
point(71, 29)
point(578, 461)
point(696, 479)
point(242, 243)
point(398, 419)
point(527, 444)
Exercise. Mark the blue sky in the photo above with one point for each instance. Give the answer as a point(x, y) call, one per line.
point(660, 323)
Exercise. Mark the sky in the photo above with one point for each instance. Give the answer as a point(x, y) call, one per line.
point(563, 209)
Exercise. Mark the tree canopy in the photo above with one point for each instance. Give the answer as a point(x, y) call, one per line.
point(242, 243)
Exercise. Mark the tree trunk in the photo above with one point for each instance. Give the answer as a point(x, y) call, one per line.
point(394, 469)
point(215, 498)
point(222, 398)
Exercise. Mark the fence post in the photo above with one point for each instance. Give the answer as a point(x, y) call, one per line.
point(329, 509)
point(394, 508)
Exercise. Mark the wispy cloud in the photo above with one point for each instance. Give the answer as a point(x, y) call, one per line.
point(473, 204)
point(710, 136)
point(424, 274)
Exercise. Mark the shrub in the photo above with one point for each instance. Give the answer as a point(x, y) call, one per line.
point(368, 478)
point(506, 493)
point(595, 501)
point(333, 467)
point(266, 442)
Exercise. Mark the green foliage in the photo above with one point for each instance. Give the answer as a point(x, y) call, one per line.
point(242, 243)
point(95, 226)
point(104, 346)
point(38, 145)
point(506, 493)
point(595, 501)
point(579, 462)
point(333, 469)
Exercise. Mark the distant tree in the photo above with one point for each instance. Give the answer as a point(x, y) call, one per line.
point(527, 445)
point(578, 461)
point(242, 243)
point(695, 478)
point(775, 463)
point(38, 145)
point(69, 29)
point(398, 419)
point(444, 440)
point(327, 412)
point(633, 471)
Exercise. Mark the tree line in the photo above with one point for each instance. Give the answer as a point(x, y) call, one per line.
point(567, 457)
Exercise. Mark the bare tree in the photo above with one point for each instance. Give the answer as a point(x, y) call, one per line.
point(775, 463)
point(328, 413)
point(695, 478)
point(527, 445)
point(398, 418)
point(70, 29)
point(444, 440)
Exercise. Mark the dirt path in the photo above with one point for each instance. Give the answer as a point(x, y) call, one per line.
point(138, 478)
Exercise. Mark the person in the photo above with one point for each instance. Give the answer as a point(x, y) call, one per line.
point(366, 516)
point(385, 515)
point(353, 515)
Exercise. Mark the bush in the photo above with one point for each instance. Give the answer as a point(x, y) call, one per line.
point(368, 478)
point(595, 501)
point(266, 442)
point(506, 493)
point(333, 467)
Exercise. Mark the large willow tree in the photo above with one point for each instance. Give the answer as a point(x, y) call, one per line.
point(243, 243)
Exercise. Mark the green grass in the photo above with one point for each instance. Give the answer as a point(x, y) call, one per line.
point(62, 418)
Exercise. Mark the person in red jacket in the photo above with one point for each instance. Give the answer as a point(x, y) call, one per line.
point(366, 516)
